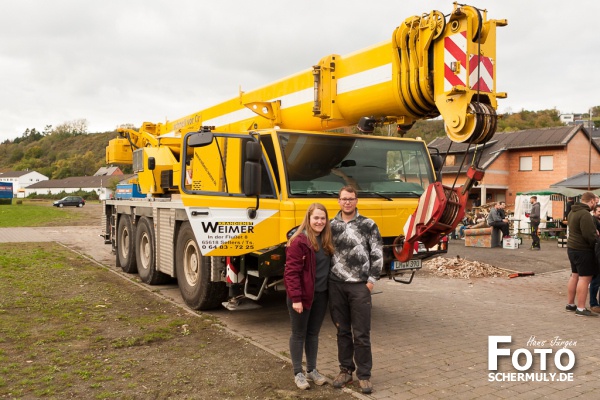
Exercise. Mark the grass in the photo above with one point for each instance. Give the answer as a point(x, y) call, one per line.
point(72, 329)
point(35, 214)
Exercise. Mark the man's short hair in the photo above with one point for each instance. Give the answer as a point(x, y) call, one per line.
point(349, 189)
point(534, 197)
point(587, 196)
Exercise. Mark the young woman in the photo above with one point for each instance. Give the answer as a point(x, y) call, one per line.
point(308, 259)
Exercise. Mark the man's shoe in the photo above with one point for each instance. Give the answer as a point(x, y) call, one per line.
point(316, 377)
point(595, 309)
point(343, 378)
point(366, 386)
point(585, 313)
point(571, 307)
point(301, 382)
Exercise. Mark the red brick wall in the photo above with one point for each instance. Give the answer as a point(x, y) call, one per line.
point(578, 156)
point(504, 171)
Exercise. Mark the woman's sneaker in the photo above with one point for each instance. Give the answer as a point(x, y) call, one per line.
point(316, 377)
point(301, 382)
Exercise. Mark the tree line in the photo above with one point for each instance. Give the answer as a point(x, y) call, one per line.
point(70, 150)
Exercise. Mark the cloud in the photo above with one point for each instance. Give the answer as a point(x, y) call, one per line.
point(115, 62)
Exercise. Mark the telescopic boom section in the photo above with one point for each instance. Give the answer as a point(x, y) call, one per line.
point(433, 65)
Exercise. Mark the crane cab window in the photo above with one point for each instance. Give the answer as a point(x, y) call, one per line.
point(219, 167)
point(319, 165)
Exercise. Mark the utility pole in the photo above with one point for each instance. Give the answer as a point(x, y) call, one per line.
point(590, 153)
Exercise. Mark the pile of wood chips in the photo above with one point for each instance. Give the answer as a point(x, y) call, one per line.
point(462, 268)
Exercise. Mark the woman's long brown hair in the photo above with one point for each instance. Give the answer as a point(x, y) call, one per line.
point(310, 233)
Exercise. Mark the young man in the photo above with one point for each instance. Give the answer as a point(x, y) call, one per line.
point(580, 249)
point(534, 219)
point(496, 220)
point(356, 265)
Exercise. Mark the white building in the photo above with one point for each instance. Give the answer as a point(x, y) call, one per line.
point(21, 180)
point(73, 184)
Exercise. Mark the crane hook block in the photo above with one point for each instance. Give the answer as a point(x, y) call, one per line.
point(439, 211)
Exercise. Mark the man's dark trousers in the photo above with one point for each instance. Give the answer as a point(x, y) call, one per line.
point(350, 307)
point(534, 235)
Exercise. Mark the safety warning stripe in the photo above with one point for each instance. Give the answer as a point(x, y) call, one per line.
point(424, 211)
point(455, 60)
point(485, 68)
point(455, 66)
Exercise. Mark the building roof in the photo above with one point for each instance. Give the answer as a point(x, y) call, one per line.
point(14, 174)
point(505, 141)
point(76, 182)
point(580, 181)
point(108, 171)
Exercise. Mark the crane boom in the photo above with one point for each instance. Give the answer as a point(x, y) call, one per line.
point(431, 66)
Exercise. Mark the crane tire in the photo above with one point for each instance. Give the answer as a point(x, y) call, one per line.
point(145, 253)
point(126, 245)
point(193, 273)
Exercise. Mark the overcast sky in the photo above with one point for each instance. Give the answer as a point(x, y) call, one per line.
point(112, 62)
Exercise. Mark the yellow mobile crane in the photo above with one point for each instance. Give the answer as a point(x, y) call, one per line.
point(226, 185)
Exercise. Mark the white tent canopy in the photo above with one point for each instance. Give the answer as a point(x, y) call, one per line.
point(522, 206)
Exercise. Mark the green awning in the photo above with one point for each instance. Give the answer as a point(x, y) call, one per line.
point(567, 192)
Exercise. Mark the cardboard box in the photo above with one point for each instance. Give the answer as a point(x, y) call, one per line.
point(510, 243)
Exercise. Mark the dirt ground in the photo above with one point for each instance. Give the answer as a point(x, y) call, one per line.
point(191, 357)
point(267, 375)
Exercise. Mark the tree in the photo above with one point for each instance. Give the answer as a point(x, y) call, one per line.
point(72, 128)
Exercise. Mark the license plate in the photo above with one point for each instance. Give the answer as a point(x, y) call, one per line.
point(410, 264)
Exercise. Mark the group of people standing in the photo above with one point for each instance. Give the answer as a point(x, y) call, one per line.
point(582, 244)
point(333, 264)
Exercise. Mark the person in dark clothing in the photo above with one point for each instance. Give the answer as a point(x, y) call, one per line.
point(495, 219)
point(581, 251)
point(595, 283)
point(568, 205)
point(534, 219)
point(308, 260)
point(356, 266)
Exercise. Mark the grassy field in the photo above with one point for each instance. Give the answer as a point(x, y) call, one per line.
point(70, 328)
point(38, 213)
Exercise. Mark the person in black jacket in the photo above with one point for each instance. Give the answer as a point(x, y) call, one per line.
point(581, 251)
point(595, 283)
point(534, 219)
point(568, 205)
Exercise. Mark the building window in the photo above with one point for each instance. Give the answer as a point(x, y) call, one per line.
point(525, 163)
point(546, 163)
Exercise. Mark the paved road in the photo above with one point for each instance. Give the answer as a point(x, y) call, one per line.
point(430, 338)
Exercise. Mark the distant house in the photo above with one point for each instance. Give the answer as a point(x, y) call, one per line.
point(96, 183)
point(21, 180)
point(521, 161)
point(108, 171)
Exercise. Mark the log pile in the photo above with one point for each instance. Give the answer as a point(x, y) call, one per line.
point(461, 268)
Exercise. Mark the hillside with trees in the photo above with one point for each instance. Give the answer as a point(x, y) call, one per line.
point(69, 150)
point(61, 152)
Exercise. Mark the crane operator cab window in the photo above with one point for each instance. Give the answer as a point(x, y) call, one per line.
point(319, 165)
point(218, 167)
